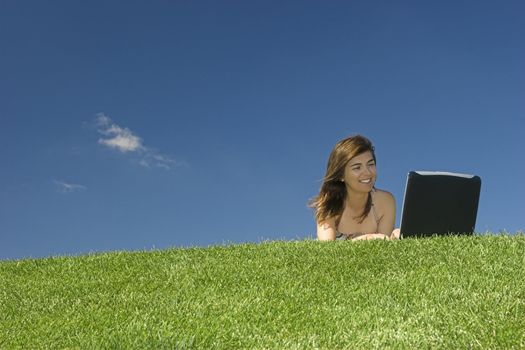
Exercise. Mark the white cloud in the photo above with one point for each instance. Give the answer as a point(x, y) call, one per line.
point(119, 138)
point(103, 120)
point(64, 187)
point(125, 141)
point(152, 159)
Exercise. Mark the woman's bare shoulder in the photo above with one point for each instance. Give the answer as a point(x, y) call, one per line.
point(384, 197)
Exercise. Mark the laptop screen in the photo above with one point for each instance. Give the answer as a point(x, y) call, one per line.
point(439, 203)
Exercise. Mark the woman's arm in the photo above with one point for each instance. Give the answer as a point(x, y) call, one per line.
point(369, 236)
point(388, 208)
point(326, 230)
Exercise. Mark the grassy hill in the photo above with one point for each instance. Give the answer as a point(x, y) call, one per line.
point(447, 292)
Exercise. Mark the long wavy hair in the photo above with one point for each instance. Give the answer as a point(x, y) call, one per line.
point(330, 202)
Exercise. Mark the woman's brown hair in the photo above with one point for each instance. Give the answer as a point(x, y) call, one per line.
point(330, 201)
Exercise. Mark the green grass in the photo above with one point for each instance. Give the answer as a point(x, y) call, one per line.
point(447, 292)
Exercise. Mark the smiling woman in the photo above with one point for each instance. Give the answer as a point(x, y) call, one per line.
point(348, 205)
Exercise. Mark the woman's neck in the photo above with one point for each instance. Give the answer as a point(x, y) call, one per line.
point(356, 201)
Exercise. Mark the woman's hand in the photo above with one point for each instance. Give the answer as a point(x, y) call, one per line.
point(396, 234)
point(370, 236)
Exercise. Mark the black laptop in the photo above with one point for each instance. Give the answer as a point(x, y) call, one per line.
point(439, 203)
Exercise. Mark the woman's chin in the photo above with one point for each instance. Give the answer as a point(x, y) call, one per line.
point(367, 187)
point(363, 187)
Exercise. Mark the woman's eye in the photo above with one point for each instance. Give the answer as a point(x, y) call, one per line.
point(356, 168)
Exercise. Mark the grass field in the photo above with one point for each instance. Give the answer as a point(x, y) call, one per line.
point(446, 292)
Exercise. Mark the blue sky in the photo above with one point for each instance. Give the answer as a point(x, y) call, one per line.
point(130, 125)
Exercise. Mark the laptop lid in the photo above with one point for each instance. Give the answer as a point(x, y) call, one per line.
point(439, 203)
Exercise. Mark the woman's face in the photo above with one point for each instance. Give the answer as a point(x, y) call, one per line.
point(360, 172)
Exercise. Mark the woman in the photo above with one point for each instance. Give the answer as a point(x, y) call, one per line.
point(348, 205)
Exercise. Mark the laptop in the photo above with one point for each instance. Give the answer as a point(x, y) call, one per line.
point(439, 203)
